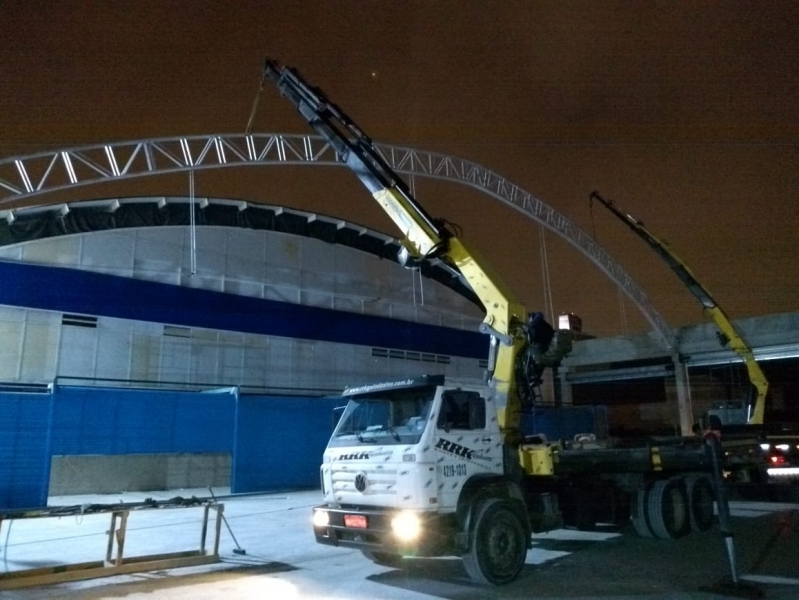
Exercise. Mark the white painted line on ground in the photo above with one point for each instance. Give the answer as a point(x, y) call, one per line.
point(575, 535)
point(537, 556)
point(771, 579)
point(741, 512)
point(765, 506)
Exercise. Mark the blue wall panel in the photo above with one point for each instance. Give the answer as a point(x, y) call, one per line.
point(276, 442)
point(97, 421)
point(24, 449)
point(205, 423)
point(280, 441)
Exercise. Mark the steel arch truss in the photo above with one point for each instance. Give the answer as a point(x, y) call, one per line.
point(26, 176)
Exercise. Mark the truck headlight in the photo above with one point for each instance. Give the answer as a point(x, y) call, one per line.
point(406, 526)
point(321, 518)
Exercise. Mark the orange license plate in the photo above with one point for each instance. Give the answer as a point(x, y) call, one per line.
point(358, 521)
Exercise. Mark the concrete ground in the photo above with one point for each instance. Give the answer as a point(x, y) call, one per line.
point(282, 559)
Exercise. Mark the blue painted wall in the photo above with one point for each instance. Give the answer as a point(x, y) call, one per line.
point(84, 292)
point(24, 449)
point(276, 442)
point(280, 441)
point(92, 421)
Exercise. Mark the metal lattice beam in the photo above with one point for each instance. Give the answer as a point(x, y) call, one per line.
point(27, 176)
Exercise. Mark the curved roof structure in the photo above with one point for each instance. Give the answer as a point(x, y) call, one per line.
point(28, 176)
point(41, 222)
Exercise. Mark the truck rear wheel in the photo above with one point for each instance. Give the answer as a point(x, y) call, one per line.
point(667, 509)
point(639, 513)
point(662, 509)
point(498, 545)
point(701, 499)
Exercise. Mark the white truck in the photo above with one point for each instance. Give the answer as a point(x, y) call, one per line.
point(416, 467)
point(434, 467)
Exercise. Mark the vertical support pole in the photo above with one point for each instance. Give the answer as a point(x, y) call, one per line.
point(110, 548)
point(683, 396)
point(220, 509)
point(204, 529)
point(120, 537)
point(566, 396)
point(557, 396)
point(192, 226)
point(714, 451)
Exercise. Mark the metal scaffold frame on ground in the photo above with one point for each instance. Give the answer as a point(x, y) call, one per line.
point(116, 563)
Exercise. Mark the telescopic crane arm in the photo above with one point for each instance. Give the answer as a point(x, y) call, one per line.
point(424, 237)
point(728, 335)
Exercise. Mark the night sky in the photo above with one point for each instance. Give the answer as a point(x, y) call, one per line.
point(685, 113)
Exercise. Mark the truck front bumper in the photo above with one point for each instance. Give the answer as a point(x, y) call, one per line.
point(371, 529)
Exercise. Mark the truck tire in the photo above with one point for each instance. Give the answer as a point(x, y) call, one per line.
point(498, 546)
point(701, 500)
point(667, 509)
point(638, 515)
point(383, 559)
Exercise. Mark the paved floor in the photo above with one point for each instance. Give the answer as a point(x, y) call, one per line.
point(282, 559)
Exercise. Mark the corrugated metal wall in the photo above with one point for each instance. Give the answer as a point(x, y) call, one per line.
point(268, 455)
point(280, 441)
point(92, 421)
point(25, 421)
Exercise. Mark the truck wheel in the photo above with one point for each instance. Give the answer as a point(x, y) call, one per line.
point(638, 516)
point(383, 558)
point(498, 545)
point(667, 509)
point(701, 500)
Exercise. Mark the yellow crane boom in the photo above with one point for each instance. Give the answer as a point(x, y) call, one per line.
point(728, 334)
point(424, 238)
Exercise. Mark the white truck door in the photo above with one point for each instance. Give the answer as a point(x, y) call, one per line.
point(465, 443)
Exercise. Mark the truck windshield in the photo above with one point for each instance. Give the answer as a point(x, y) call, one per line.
point(395, 417)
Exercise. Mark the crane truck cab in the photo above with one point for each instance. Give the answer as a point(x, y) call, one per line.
point(415, 467)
